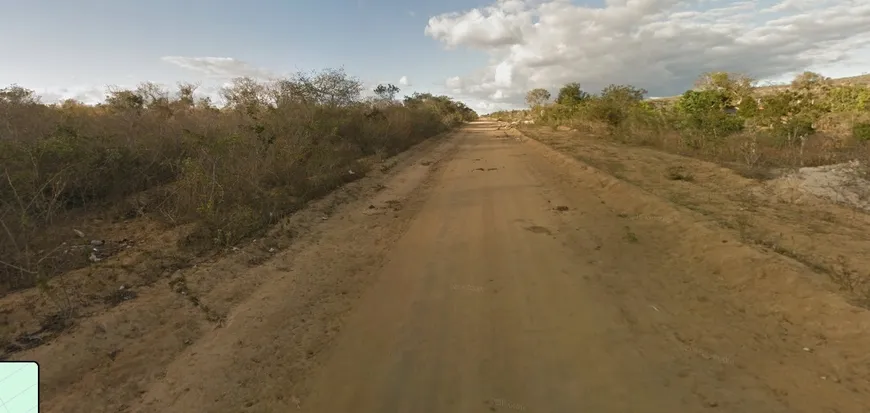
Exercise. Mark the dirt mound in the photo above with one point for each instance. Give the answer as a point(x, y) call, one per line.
point(845, 183)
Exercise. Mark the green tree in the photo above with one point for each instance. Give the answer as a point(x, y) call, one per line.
point(623, 93)
point(443, 105)
point(848, 98)
point(702, 115)
point(735, 86)
point(704, 101)
point(571, 94)
point(810, 81)
point(789, 115)
point(537, 97)
point(615, 104)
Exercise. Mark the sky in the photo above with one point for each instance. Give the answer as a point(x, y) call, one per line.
point(487, 53)
point(19, 387)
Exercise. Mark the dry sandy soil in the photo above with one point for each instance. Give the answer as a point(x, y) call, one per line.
point(487, 272)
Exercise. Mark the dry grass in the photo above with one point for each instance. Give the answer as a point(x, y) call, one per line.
point(776, 216)
point(679, 173)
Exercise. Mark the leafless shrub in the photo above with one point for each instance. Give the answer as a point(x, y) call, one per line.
point(231, 171)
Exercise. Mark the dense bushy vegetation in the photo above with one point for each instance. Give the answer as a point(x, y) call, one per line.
point(230, 171)
point(812, 121)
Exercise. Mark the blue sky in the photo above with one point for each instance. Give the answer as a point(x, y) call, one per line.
point(487, 53)
point(58, 44)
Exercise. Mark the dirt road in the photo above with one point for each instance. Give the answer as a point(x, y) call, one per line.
point(494, 274)
point(519, 288)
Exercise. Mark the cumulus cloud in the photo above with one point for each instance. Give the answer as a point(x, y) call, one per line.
point(219, 67)
point(403, 81)
point(661, 45)
point(493, 27)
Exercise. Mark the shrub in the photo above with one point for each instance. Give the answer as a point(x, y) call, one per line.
point(861, 132)
point(703, 113)
point(725, 117)
point(231, 172)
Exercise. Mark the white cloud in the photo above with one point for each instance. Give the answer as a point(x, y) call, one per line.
point(88, 94)
point(219, 67)
point(404, 81)
point(661, 45)
point(93, 94)
point(493, 27)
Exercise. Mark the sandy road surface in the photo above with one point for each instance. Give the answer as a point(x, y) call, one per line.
point(498, 275)
point(499, 299)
